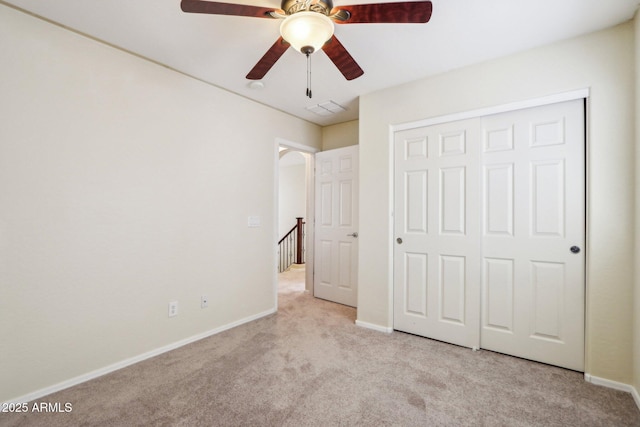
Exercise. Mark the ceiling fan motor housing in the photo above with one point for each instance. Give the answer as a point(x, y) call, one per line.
point(294, 6)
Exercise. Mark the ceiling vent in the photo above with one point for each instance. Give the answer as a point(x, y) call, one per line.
point(326, 108)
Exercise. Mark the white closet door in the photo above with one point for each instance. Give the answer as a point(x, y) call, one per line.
point(533, 284)
point(336, 226)
point(490, 220)
point(437, 232)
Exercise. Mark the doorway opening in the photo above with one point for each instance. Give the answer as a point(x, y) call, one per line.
point(292, 219)
point(294, 213)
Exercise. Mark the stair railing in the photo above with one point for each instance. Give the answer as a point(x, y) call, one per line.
point(291, 247)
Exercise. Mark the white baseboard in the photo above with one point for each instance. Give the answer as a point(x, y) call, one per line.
point(375, 327)
point(614, 385)
point(133, 360)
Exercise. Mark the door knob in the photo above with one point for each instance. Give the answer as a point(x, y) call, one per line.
point(353, 234)
point(399, 240)
point(575, 249)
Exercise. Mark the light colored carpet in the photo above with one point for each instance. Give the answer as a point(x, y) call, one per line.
point(292, 280)
point(309, 365)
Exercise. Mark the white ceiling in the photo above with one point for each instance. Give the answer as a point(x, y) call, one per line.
point(222, 49)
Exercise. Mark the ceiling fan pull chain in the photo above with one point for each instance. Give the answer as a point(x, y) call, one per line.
point(309, 75)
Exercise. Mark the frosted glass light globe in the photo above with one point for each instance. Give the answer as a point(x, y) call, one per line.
point(307, 32)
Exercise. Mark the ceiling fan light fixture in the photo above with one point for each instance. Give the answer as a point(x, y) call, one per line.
point(307, 32)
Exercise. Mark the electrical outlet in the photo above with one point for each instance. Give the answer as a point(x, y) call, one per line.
point(173, 308)
point(204, 301)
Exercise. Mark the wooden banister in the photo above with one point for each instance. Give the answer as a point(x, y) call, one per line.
point(299, 241)
point(291, 246)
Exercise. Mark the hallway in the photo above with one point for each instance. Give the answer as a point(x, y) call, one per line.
point(292, 280)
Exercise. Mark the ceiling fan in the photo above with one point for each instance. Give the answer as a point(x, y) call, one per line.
point(308, 26)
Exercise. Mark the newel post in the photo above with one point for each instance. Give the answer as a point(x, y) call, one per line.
point(299, 241)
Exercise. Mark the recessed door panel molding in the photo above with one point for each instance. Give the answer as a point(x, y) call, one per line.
point(345, 250)
point(416, 148)
point(452, 288)
point(324, 268)
point(498, 200)
point(326, 210)
point(545, 133)
point(548, 286)
point(505, 195)
point(498, 287)
point(499, 138)
point(452, 143)
point(336, 230)
point(346, 164)
point(415, 284)
point(548, 198)
point(416, 212)
point(453, 197)
point(326, 167)
point(346, 203)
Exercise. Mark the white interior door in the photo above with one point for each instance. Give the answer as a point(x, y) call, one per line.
point(437, 232)
point(492, 231)
point(534, 214)
point(336, 226)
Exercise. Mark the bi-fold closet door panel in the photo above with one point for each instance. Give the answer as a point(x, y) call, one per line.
point(520, 242)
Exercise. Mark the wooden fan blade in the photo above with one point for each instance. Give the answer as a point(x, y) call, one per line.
point(266, 62)
point(342, 59)
point(406, 12)
point(217, 8)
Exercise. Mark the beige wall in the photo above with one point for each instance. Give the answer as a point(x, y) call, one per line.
point(292, 194)
point(123, 186)
point(602, 62)
point(636, 355)
point(340, 135)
